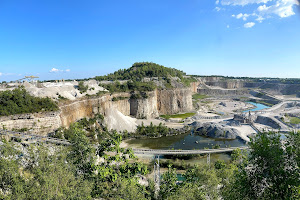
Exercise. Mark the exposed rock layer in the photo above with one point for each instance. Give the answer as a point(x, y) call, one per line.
point(158, 102)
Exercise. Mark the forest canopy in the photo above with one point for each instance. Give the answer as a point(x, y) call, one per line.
point(140, 70)
point(19, 101)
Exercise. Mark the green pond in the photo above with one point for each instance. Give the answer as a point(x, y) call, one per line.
point(184, 141)
point(187, 142)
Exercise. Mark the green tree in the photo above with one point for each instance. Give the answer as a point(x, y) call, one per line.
point(82, 88)
point(271, 172)
point(50, 177)
point(12, 184)
point(206, 178)
point(168, 185)
point(82, 154)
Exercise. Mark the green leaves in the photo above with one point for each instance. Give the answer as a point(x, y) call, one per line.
point(272, 170)
point(19, 101)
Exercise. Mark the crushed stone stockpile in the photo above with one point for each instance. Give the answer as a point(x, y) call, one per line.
point(114, 119)
point(65, 89)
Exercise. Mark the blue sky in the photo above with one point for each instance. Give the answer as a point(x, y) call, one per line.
point(56, 39)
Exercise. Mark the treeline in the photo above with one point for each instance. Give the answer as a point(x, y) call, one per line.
point(129, 86)
point(155, 130)
point(19, 101)
point(71, 172)
point(140, 70)
point(269, 170)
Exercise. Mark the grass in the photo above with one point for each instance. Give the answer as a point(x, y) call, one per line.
point(206, 102)
point(199, 96)
point(183, 116)
point(294, 120)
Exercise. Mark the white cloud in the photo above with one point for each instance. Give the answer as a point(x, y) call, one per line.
point(241, 15)
point(217, 2)
point(217, 9)
point(267, 10)
point(259, 19)
point(228, 26)
point(282, 8)
point(249, 24)
point(242, 2)
point(54, 70)
point(0, 74)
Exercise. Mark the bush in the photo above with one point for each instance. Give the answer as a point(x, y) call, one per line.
point(82, 88)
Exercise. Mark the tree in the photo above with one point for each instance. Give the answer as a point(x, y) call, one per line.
point(168, 185)
point(52, 178)
point(81, 154)
point(12, 184)
point(271, 172)
point(206, 178)
point(82, 88)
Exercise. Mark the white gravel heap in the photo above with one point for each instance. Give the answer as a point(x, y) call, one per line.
point(65, 89)
point(114, 119)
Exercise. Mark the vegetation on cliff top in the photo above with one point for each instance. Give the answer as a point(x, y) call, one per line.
point(19, 101)
point(141, 70)
point(129, 86)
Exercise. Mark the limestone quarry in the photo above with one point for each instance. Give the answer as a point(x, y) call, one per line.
point(219, 115)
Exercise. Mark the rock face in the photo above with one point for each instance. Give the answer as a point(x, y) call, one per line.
point(158, 102)
point(37, 123)
point(89, 107)
point(267, 121)
point(145, 108)
point(222, 92)
point(174, 101)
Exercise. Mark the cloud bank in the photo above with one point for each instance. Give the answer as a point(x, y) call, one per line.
point(260, 10)
point(55, 70)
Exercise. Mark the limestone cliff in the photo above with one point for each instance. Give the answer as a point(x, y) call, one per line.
point(36, 123)
point(89, 107)
point(174, 100)
point(145, 107)
point(169, 101)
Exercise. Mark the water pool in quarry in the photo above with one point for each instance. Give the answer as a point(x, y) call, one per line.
point(259, 106)
point(183, 141)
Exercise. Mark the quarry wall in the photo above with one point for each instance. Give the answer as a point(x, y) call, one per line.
point(158, 102)
point(36, 123)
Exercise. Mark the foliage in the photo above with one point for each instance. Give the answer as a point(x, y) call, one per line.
point(45, 177)
point(81, 154)
point(199, 96)
point(19, 101)
point(294, 120)
point(206, 178)
point(188, 191)
point(82, 88)
point(118, 98)
point(271, 170)
point(154, 130)
point(141, 70)
point(129, 86)
point(168, 183)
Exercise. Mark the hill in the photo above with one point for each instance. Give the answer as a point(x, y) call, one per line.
point(146, 76)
